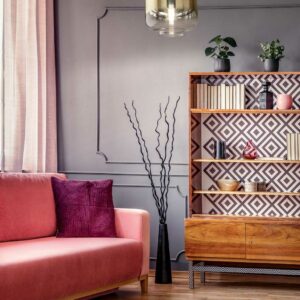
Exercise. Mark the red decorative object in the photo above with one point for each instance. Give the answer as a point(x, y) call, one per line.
point(250, 151)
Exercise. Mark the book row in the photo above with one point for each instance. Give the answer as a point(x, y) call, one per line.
point(293, 146)
point(219, 96)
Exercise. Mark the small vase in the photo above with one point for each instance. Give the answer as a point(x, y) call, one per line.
point(266, 97)
point(271, 65)
point(221, 65)
point(284, 101)
point(250, 186)
point(219, 152)
point(250, 151)
point(163, 272)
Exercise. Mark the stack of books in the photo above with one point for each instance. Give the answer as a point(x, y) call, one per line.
point(220, 96)
point(293, 146)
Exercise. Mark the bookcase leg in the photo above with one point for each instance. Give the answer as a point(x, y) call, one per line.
point(191, 275)
point(202, 274)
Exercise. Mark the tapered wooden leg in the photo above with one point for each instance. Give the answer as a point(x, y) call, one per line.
point(144, 285)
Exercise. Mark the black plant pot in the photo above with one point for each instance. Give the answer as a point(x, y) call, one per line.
point(271, 65)
point(163, 273)
point(221, 65)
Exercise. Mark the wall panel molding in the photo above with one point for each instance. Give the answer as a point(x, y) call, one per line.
point(114, 173)
point(100, 151)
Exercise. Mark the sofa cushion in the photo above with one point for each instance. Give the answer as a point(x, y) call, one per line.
point(84, 208)
point(53, 268)
point(27, 207)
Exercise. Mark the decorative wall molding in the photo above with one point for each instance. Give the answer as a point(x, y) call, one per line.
point(99, 151)
point(130, 185)
point(114, 173)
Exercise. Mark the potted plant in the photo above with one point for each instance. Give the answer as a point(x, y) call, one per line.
point(221, 52)
point(271, 54)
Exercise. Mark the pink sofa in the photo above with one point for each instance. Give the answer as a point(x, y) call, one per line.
point(34, 264)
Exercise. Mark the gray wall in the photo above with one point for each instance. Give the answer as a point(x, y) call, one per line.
point(138, 64)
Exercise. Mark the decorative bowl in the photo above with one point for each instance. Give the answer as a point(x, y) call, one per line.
point(228, 184)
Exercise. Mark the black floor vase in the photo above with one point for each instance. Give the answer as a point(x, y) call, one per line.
point(163, 273)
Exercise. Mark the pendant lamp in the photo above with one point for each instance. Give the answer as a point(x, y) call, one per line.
point(171, 17)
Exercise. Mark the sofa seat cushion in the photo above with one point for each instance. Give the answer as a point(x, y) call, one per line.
point(53, 268)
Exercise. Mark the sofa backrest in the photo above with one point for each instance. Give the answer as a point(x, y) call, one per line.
point(27, 207)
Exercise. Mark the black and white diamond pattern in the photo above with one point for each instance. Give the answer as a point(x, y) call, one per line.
point(268, 133)
point(254, 206)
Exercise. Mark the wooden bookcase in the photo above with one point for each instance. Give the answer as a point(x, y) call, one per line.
point(239, 226)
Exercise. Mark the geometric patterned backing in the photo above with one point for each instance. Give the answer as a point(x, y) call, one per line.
point(268, 133)
point(280, 84)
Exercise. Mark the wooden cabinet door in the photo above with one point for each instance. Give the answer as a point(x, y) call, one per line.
point(211, 239)
point(277, 242)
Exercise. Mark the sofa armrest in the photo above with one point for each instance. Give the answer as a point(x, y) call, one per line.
point(135, 224)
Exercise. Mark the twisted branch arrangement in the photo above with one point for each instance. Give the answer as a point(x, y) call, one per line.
point(164, 149)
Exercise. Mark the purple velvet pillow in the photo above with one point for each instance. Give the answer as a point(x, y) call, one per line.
point(84, 208)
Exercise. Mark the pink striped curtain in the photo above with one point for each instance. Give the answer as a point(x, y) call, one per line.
point(29, 124)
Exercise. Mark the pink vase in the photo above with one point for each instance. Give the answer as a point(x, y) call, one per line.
point(284, 101)
point(250, 151)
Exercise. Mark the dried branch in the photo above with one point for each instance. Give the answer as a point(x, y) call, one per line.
point(165, 156)
point(159, 153)
point(170, 158)
point(147, 166)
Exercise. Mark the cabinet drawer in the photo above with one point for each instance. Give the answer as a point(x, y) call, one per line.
point(273, 242)
point(209, 239)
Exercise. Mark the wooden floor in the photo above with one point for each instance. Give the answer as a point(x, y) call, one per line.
point(218, 286)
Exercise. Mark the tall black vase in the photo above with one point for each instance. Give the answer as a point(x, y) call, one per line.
point(163, 273)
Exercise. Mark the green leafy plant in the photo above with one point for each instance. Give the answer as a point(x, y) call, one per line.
point(221, 49)
point(272, 50)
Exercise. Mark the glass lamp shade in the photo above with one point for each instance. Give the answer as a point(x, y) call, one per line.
point(171, 17)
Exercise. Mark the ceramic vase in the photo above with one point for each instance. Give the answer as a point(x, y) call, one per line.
point(163, 272)
point(250, 151)
point(271, 65)
point(284, 101)
point(250, 186)
point(222, 65)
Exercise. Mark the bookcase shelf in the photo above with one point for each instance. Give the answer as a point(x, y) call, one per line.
point(246, 193)
point(244, 111)
point(246, 161)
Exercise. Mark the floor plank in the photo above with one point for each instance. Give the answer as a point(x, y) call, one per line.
point(218, 286)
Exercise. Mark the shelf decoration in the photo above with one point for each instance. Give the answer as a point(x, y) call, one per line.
point(284, 101)
point(221, 52)
point(220, 150)
point(293, 146)
point(272, 53)
point(220, 96)
point(266, 97)
point(250, 151)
